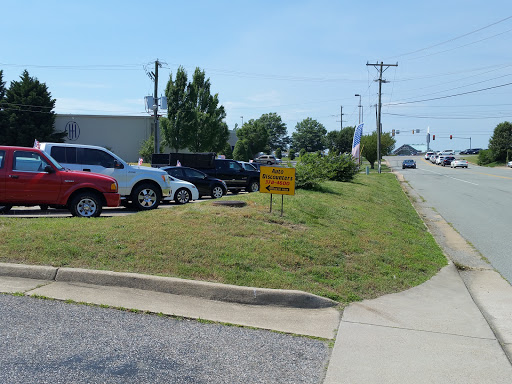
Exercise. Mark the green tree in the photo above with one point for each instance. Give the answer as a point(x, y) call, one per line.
point(29, 113)
point(175, 127)
point(340, 141)
point(227, 151)
point(255, 134)
point(278, 153)
point(310, 135)
point(369, 146)
point(208, 131)
point(291, 154)
point(147, 148)
point(241, 151)
point(501, 141)
point(276, 129)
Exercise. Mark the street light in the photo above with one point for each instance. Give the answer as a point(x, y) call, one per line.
point(242, 120)
point(360, 107)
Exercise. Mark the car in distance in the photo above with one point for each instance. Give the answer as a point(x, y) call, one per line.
point(509, 164)
point(447, 160)
point(139, 186)
point(31, 177)
point(267, 159)
point(459, 163)
point(206, 185)
point(408, 163)
point(439, 159)
point(428, 154)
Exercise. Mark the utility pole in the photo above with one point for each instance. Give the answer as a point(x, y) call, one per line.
point(379, 105)
point(155, 108)
point(341, 119)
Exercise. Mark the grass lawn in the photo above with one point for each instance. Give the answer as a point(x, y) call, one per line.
point(348, 242)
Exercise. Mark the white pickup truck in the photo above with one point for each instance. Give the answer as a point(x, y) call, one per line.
point(139, 186)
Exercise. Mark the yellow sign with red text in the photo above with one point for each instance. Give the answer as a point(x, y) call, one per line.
point(277, 180)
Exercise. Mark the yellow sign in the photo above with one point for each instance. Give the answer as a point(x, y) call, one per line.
point(277, 180)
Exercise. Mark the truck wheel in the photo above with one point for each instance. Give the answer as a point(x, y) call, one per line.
point(217, 191)
point(182, 196)
point(145, 197)
point(254, 186)
point(85, 204)
point(5, 209)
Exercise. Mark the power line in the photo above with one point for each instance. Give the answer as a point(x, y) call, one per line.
point(455, 38)
point(445, 97)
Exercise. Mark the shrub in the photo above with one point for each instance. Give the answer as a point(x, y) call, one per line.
point(485, 157)
point(310, 171)
point(340, 167)
point(278, 153)
point(291, 154)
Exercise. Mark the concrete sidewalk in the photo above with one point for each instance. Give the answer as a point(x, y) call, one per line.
point(433, 333)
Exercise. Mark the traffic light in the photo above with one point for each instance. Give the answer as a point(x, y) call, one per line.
point(393, 132)
point(433, 137)
point(413, 131)
point(450, 137)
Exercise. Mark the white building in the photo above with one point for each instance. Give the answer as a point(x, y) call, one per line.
point(122, 135)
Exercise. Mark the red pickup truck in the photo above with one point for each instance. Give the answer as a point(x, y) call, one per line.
point(28, 177)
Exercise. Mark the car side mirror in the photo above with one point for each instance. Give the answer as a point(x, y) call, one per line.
point(48, 169)
point(118, 165)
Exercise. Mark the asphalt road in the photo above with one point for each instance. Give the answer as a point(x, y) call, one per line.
point(477, 201)
point(44, 341)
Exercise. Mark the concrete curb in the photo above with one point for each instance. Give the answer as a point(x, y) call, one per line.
point(201, 289)
point(37, 272)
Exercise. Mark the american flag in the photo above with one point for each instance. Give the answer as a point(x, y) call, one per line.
point(140, 161)
point(37, 144)
point(356, 143)
point(178, 164)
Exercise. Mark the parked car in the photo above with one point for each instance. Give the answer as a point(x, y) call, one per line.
point(459, 163)
point(250, 166)
point(408, 163)
point(447, 160)
point(183, 191)
point(428, 154)
point(139, 186)
point(206, 185)
point(228, 170)
point(509, 164)
point(267, 159)
point(31, 177)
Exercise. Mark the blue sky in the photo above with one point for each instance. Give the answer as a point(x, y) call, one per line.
point(298, 59)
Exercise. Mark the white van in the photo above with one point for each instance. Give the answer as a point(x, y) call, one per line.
point(142, 187)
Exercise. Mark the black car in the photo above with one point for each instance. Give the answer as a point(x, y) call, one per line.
point(474, 151)
point(447, 160)
point(408, 164)
point(206, 185)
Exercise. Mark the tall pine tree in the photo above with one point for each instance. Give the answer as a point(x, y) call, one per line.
point(29, 115)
